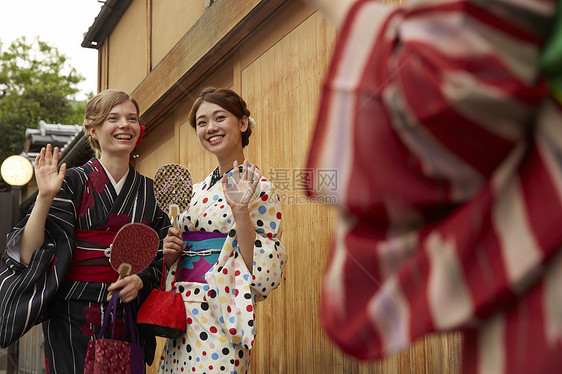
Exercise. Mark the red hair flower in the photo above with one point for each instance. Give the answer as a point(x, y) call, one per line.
point(139, 140)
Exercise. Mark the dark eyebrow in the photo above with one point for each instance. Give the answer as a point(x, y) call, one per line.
point(128, 114)
point(215, 112)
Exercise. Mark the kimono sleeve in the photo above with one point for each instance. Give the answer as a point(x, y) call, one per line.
point(270, 256)
point(435, 94)
point(27, 290)
point(425, 113)
point(151, 276)
point(159, 221)
point(232, 290)
point(60, 219)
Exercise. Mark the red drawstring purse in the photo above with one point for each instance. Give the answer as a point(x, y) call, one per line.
point(163, 312)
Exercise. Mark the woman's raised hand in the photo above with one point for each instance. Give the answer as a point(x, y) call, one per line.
point(240, 192)
point(49, 180)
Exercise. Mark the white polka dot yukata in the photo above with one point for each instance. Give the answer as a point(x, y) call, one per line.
point(220, 308)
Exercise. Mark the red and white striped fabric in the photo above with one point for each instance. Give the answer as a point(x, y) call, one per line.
point(448, 151)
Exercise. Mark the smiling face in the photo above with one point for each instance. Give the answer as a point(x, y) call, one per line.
point(218, 130)
point(118, 133)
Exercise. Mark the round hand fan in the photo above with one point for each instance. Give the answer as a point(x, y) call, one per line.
point(172, 189)
point(133, 248)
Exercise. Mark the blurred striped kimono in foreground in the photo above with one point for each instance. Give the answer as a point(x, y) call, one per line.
point(448, 151)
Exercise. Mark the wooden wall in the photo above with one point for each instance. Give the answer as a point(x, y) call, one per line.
point(171, 19)
point(30, 356)
point(278, 67)
point(127, 49)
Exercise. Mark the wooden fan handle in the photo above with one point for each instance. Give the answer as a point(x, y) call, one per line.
point(174, 212)
point(123, 270)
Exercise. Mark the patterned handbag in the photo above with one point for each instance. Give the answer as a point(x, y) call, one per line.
point(163, 312)
point(111, 356)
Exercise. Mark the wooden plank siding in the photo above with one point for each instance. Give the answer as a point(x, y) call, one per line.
point(30, 352)
point(275, 54)
point(219, 29)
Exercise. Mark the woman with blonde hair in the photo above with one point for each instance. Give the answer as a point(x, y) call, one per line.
point(75, 217)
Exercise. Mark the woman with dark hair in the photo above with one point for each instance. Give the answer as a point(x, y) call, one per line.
point(229, 250)
point(72, 224)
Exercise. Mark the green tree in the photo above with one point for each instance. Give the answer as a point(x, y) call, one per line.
point(35, 84)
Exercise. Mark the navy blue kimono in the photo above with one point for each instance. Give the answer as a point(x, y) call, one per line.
point(65, 284)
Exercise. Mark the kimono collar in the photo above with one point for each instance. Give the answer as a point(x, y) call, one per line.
point(216, 177)
point(118, 186)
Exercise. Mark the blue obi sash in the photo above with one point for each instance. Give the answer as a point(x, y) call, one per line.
point(202, 250)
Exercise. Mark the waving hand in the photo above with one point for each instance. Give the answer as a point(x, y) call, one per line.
point(49, 180)
point(239, 193)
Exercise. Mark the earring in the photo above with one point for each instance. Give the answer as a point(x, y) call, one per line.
point(134, 154)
